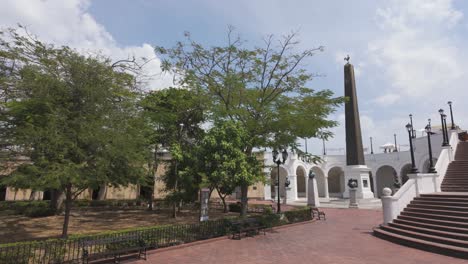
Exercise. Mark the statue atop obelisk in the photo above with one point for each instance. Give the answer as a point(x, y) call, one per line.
point(354, 150)
point(356, 168)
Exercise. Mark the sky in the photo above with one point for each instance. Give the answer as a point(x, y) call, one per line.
point(408, 55)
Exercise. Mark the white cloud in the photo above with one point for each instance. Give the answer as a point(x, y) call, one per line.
point(415, 49)
point(387, 99)
point(69, 23)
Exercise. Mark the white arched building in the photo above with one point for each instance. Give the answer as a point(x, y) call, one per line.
point(330, 173)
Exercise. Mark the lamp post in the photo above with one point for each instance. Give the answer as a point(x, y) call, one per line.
point(409, 127)
point(396, 148)
point(305, 144)
point(444, 117)
point(324, 149)
point(413, 135)
point(371, 147)
point(286, 185)
point(444, 137)
point(279, 160)
point(451, 114)
point(431, 163)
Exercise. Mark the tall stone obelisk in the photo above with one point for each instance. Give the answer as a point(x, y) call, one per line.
point(356, 166)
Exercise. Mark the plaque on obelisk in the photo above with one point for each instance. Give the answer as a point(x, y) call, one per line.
point(356, 168)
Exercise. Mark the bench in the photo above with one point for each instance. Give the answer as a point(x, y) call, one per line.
point(113, 247)
point(249, 226)
point(318, 213)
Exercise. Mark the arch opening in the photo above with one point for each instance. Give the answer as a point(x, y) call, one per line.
point(3, 191)
point(301, 182)
point(47, 195)
point(336, 182)
point(405, 170)
point(385, 178)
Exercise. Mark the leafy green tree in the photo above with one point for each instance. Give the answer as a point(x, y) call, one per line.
point(176, 115)
point(262, 88)
point(224, 162)
point(74, 116)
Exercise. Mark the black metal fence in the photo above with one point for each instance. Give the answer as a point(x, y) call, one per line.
point(71, 250)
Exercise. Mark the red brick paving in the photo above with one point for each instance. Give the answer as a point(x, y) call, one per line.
point(345, 237)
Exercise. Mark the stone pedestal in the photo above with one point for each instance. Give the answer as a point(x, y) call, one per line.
point(286, 195)
point(361, 173)
point(312, 194)
point(353, 198)
point(291, 191)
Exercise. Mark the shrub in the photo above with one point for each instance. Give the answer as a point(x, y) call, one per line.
point(269, 218)
point(299, 215)
point(39, 211)
point(19, 207)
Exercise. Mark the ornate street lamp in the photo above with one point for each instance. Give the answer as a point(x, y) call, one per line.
point(371, 147)
point(305, 144)
point(324, 149)
point(279, 161)
point(444, 136)
point(413, 134)
point(409, 127)
point(444, 117)
point(396, 148)
point(431, 163)
point(451, 114)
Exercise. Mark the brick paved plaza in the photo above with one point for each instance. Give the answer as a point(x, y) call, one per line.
point(345, 237)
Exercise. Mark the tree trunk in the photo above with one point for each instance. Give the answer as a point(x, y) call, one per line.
point(174, 203)
point(154, 173)
point(244, 190)
point(174, 210)
point(225, 208)
point(68, 205)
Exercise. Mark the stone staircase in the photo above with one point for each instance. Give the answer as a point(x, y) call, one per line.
point(456, 177)
point(436, 222)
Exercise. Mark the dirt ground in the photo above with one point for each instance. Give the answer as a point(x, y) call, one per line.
point(14, 228)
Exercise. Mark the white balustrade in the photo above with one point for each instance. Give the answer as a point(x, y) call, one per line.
point(419, 183)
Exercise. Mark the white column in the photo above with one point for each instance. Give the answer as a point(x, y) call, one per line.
point(267, 187)
point(291, 192)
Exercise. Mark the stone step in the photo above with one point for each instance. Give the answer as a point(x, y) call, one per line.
point(422, 244)
point(441, 203)
point(432, 238)
point(444, 195)
point(438, 207)
point(431, 231)
point(454, 189)
point(437, 212)
point(450, 218)
point(447, 228)
point(435, 199)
